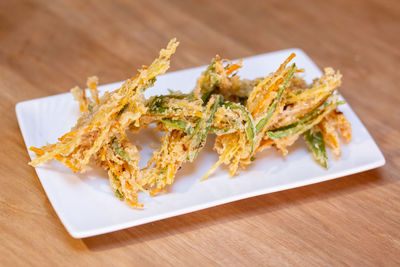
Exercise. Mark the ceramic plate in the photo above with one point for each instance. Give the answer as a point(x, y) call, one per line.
point(87, 207)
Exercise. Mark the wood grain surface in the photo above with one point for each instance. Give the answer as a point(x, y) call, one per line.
point(47, 47)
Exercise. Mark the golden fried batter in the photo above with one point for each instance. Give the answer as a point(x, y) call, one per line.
point(247, 116)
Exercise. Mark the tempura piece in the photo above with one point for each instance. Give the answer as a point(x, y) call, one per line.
point(179, 145)
point(219, 78)
point(330, 125)
point(97, 129)
point(263, 104)
point(235, 131)
point(302, 99)
point(247, 116)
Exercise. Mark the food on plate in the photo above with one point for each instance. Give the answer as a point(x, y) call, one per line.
point(247, 116)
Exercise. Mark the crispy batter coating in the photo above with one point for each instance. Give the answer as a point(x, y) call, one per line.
point(247, 116)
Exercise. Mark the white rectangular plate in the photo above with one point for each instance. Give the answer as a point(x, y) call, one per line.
point(87, 207)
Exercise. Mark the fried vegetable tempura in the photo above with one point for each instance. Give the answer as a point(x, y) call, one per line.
point(247, 116)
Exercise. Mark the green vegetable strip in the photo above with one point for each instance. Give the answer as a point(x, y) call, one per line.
point(275, 103)
point(308, 116)
point(156, 105)
point(119, 194)
point(202, 128)
point(123, 108)
point(213, 79)
point(207, 94)
point(159, 104)
point(215, 105)
point(118, 183)
point(118, 149)
point(315, 142)
point(250, 130)
point(304, 123)
point(219, 131)
point(178, 124)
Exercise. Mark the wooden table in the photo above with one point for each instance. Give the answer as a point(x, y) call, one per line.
point(47, 47)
